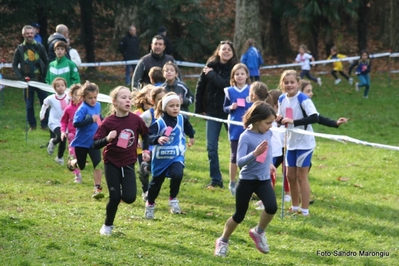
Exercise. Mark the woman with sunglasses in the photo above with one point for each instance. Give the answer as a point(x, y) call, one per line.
point(209, 99)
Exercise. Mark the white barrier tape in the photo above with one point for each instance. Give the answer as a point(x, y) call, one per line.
point(199, 65)
point(340, 138)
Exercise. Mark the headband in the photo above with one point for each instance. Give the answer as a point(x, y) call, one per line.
point(168, 99)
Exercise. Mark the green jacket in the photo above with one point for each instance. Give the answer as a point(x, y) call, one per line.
point(63, 68)
point(30, 60)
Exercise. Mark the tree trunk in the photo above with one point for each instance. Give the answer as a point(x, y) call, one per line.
point(247, 23)
point(277, 37)
point(362, 24)
point(86, 18)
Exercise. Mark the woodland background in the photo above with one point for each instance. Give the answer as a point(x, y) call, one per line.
point(195, 27)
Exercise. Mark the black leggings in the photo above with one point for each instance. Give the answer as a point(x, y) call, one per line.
point(308, 75)
point(81, 156)
point(244, 191)
point(175, 172)
point(334, 73)
point(121, 182)
point(57, 139)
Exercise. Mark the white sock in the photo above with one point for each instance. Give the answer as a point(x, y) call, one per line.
point(305, 211)
point(295, 208)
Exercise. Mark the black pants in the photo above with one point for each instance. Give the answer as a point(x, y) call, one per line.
point(306, 73)
point(57, 139)
point(175, 172)
point(121, 182)
point(334, 73)
point(244, 191)
point(81, 156)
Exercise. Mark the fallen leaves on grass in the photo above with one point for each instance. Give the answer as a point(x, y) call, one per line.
point(343, 179)
point(358, 185)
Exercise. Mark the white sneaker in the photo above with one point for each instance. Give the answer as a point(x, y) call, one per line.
point(221, 248)
point(337, 81)
point(287, 198)
point(350, 81)
point(106, 230)
point(174, 206)
point(319, 81)
point(232, 188)
point(260, 240)
point(259, 205)
point(357, 86)
point(149, 211)
point(78, 179)
point(50, 147)
point(144, 195)
point(60, 161)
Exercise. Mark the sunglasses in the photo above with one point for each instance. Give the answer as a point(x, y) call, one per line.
point(228, 42)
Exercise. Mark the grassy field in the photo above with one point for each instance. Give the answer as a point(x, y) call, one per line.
point(46, 219)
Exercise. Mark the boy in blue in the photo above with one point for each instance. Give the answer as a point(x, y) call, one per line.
point(236, 103)
point(87, 120)
point(255, 161)
point(252, 59)
point(167, 135)
point(363, 67)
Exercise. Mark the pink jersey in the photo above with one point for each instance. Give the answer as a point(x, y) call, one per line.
point(67, 118)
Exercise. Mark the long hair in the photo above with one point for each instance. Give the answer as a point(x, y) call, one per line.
point(233, 71)
point(142, 96)
point(86, 88)
point(257, 112)
point(114, 95)
point(216, 58)
point(250, 42)
point(287, 73)
point(75, 88)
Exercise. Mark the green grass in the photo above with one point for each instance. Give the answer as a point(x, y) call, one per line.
point(46, 219)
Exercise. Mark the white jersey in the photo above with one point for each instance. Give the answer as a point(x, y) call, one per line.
point(304, 60)
point(57, 104)
point(277, 142)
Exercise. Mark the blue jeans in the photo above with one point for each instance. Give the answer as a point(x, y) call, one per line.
point(129, 69)
point(30, 110)
point(306, 73)
point(364, 81)
point(212, 142)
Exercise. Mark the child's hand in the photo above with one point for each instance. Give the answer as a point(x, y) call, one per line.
point(206, 70)
point(272, 169)
point(287, 121)
point(111, 135)
point(191, 142)
point(261, 148)
point(146, 156)
point(342, 120)
point(139, 145)
point(233, 106)
point(63, 135)
point(162, 140)
point(95, 117)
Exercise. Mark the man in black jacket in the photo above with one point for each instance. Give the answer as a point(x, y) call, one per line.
point(61, 34)
point(129, 48)
point(156, 57)
point(30, 62)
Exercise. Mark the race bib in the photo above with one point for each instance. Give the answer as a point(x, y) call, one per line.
point(123, 139)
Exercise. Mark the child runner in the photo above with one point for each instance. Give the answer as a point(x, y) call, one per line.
point(337, 66)
point(57, 102)
point(87, 119)
point(142, 102)
point(299, 146)
point(149, 118)
point(304, 57)
point(252, 58)
point(172, 83)
point(68, 131)
point(156, 76)
point(119, 135)
point(363, 68)
point(236, 103)
point(167, 135)
point(307, 89)
point(255, 161)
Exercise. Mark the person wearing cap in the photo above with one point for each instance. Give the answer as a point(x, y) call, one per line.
point(156, 57)
point(37, 37)
point(30, 62)
point(61, 34)
point(129, 48)
point(168, 43)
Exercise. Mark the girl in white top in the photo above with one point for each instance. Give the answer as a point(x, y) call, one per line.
point(299, 146)
point(304, 58)
point(57, 102)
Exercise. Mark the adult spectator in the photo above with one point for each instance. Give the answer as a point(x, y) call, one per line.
point(31, 57)
point(252, 59)
point(129, 48)
point(61, 34)
point(168, 43)
point(156, 57)
point(209, 98)
point(37, 38)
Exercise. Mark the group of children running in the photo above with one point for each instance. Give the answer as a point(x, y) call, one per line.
point(156, 136)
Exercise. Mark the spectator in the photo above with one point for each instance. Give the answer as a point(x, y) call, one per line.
point(74, 54)
point(37, 38)
point(32, 59)
point(168, 43)
point(61, 34)
point(129, 48)
point(156, 57)
point(252, 59)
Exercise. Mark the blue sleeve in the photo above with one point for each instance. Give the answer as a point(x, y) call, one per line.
point(227, 103)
